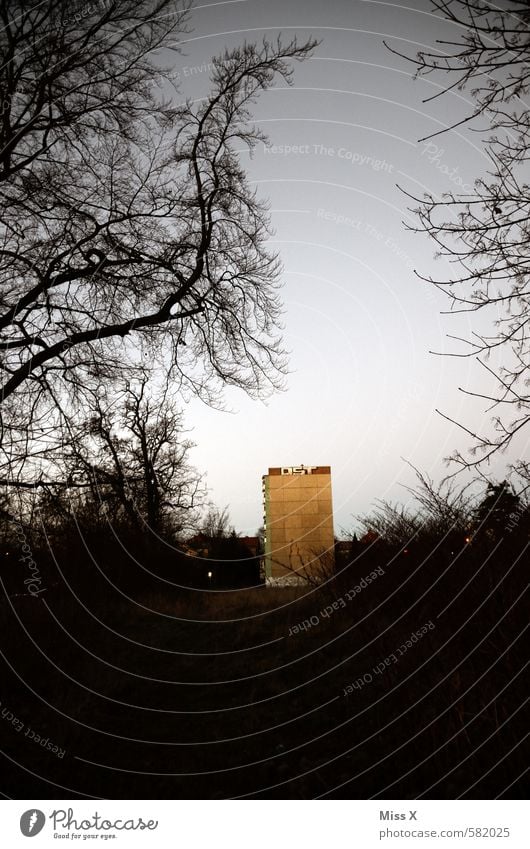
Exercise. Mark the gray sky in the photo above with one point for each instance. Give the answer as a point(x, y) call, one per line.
point(363, 386)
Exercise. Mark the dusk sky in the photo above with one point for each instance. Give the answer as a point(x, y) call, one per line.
point(363, 386)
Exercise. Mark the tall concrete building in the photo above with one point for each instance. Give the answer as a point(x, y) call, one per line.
point(298, 516)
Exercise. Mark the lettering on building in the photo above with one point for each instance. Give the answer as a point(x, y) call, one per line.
point(297, 470)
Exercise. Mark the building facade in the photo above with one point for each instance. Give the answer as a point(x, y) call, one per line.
point(298, 514)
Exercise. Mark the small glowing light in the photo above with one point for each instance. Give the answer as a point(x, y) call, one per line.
point(406, 551)
point(468, 539)
point(210, 574)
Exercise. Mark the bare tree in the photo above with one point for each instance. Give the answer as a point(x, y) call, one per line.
point(486, 234)
point(445, 507)
point(131, 460)
point(393, 523)
point(216, 524)
point(129, 232)
point(436, 511)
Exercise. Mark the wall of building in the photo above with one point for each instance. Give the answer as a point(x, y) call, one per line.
point(298, 520)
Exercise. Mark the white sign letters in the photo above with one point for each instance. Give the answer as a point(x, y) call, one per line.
point(297, 470)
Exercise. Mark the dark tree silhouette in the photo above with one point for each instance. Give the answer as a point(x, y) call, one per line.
point(129, 462)
point(496, 510)
point(486, 234)
point(216, 524)
point(129, 232)
point(436, 511)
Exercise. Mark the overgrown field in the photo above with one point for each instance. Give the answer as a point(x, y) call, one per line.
point(160, 692)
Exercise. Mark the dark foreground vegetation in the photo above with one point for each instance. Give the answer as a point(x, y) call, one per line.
point(149, 690)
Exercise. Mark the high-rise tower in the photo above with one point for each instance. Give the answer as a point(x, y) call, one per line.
point(298, 512)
